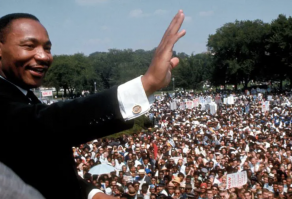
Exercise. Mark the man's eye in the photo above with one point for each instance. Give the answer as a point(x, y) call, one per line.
point(30, 46)
point(48, 49)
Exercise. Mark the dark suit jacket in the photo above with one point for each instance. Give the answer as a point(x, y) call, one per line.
point(37, 139)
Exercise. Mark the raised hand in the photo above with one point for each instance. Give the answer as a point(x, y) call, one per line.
point(158, 74)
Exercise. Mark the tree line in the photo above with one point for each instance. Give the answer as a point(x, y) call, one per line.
point(238, 53)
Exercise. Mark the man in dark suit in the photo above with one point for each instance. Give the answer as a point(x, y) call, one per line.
point(28, 126)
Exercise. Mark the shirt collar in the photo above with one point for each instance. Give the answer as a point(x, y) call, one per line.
point(21, 89)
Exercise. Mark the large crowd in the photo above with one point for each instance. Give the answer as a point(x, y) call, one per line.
point(189, 152)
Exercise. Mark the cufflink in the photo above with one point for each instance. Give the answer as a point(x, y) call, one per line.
point(137, 109)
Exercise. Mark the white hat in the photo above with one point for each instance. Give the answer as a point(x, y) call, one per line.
point(141, 171)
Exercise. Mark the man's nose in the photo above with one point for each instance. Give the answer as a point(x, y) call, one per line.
point(42, 55)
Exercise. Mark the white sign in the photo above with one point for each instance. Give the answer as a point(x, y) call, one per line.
point(173, 106)
point(267, 104)
point(47, 93)
point(230, 100)
point(264, 108)
point(196, 102)
point(182, 106)
point(236, 179)
point(189, 104)
point(209, 99)
point(171, 142)
point(213, 108)
point(203, 106)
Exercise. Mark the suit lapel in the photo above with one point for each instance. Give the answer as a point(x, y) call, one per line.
point(11, 93)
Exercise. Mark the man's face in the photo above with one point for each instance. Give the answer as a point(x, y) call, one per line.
point(188, 180)
point(133, 169)
point(25, 53)
point(275, 187)
point(187, 169)
point(253, 161)
point(265, 195)
point(210, 194)
point(170, 190)
point(247, 195)
point(159, 188)
point(281, 188)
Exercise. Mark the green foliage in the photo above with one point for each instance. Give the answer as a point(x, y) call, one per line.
point(238, 49)
point(279, 49)
point(70, 72)
point(193, 71)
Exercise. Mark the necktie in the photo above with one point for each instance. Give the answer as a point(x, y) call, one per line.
point(32, 98)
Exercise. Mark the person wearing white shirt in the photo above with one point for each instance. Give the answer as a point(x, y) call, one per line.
point(254, 165)
point(119, 164)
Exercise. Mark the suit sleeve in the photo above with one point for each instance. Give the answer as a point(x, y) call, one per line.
point(75, 122)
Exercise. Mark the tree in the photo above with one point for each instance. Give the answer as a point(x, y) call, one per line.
point(238, 49)
point(194, 70)
point(73, 73)
point(279, 49)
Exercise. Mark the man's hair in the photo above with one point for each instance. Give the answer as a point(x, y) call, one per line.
point(6, 21)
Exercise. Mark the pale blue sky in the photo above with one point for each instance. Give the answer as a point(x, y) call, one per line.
point(88, 26)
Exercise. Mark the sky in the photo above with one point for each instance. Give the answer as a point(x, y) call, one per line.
point(87, 26)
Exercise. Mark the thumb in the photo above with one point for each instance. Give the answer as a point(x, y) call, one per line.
point(174, 62)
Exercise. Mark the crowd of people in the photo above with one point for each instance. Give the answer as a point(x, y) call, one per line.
point(189, 152)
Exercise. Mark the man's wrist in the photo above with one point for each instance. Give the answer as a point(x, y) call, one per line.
point(149, 90)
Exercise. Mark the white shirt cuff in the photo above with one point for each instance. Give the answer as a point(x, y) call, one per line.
point(93, 192)
point(132, 99)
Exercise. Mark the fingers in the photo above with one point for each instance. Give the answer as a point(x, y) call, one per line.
point(176, 23)
point(173, 28)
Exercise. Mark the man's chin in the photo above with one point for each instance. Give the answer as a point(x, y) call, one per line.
point(34, 84)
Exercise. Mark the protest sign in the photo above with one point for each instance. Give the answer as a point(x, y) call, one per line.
point(263, 107)
point(213, 108)
point(201, 100)
point(203, 106)
point(182, 106)
point(189, 104)
point(230, 100)
point(173, 106)
point(267, 105)
point(236, 179)
point(209, 99)
point(47, 93)
point(196, 102)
